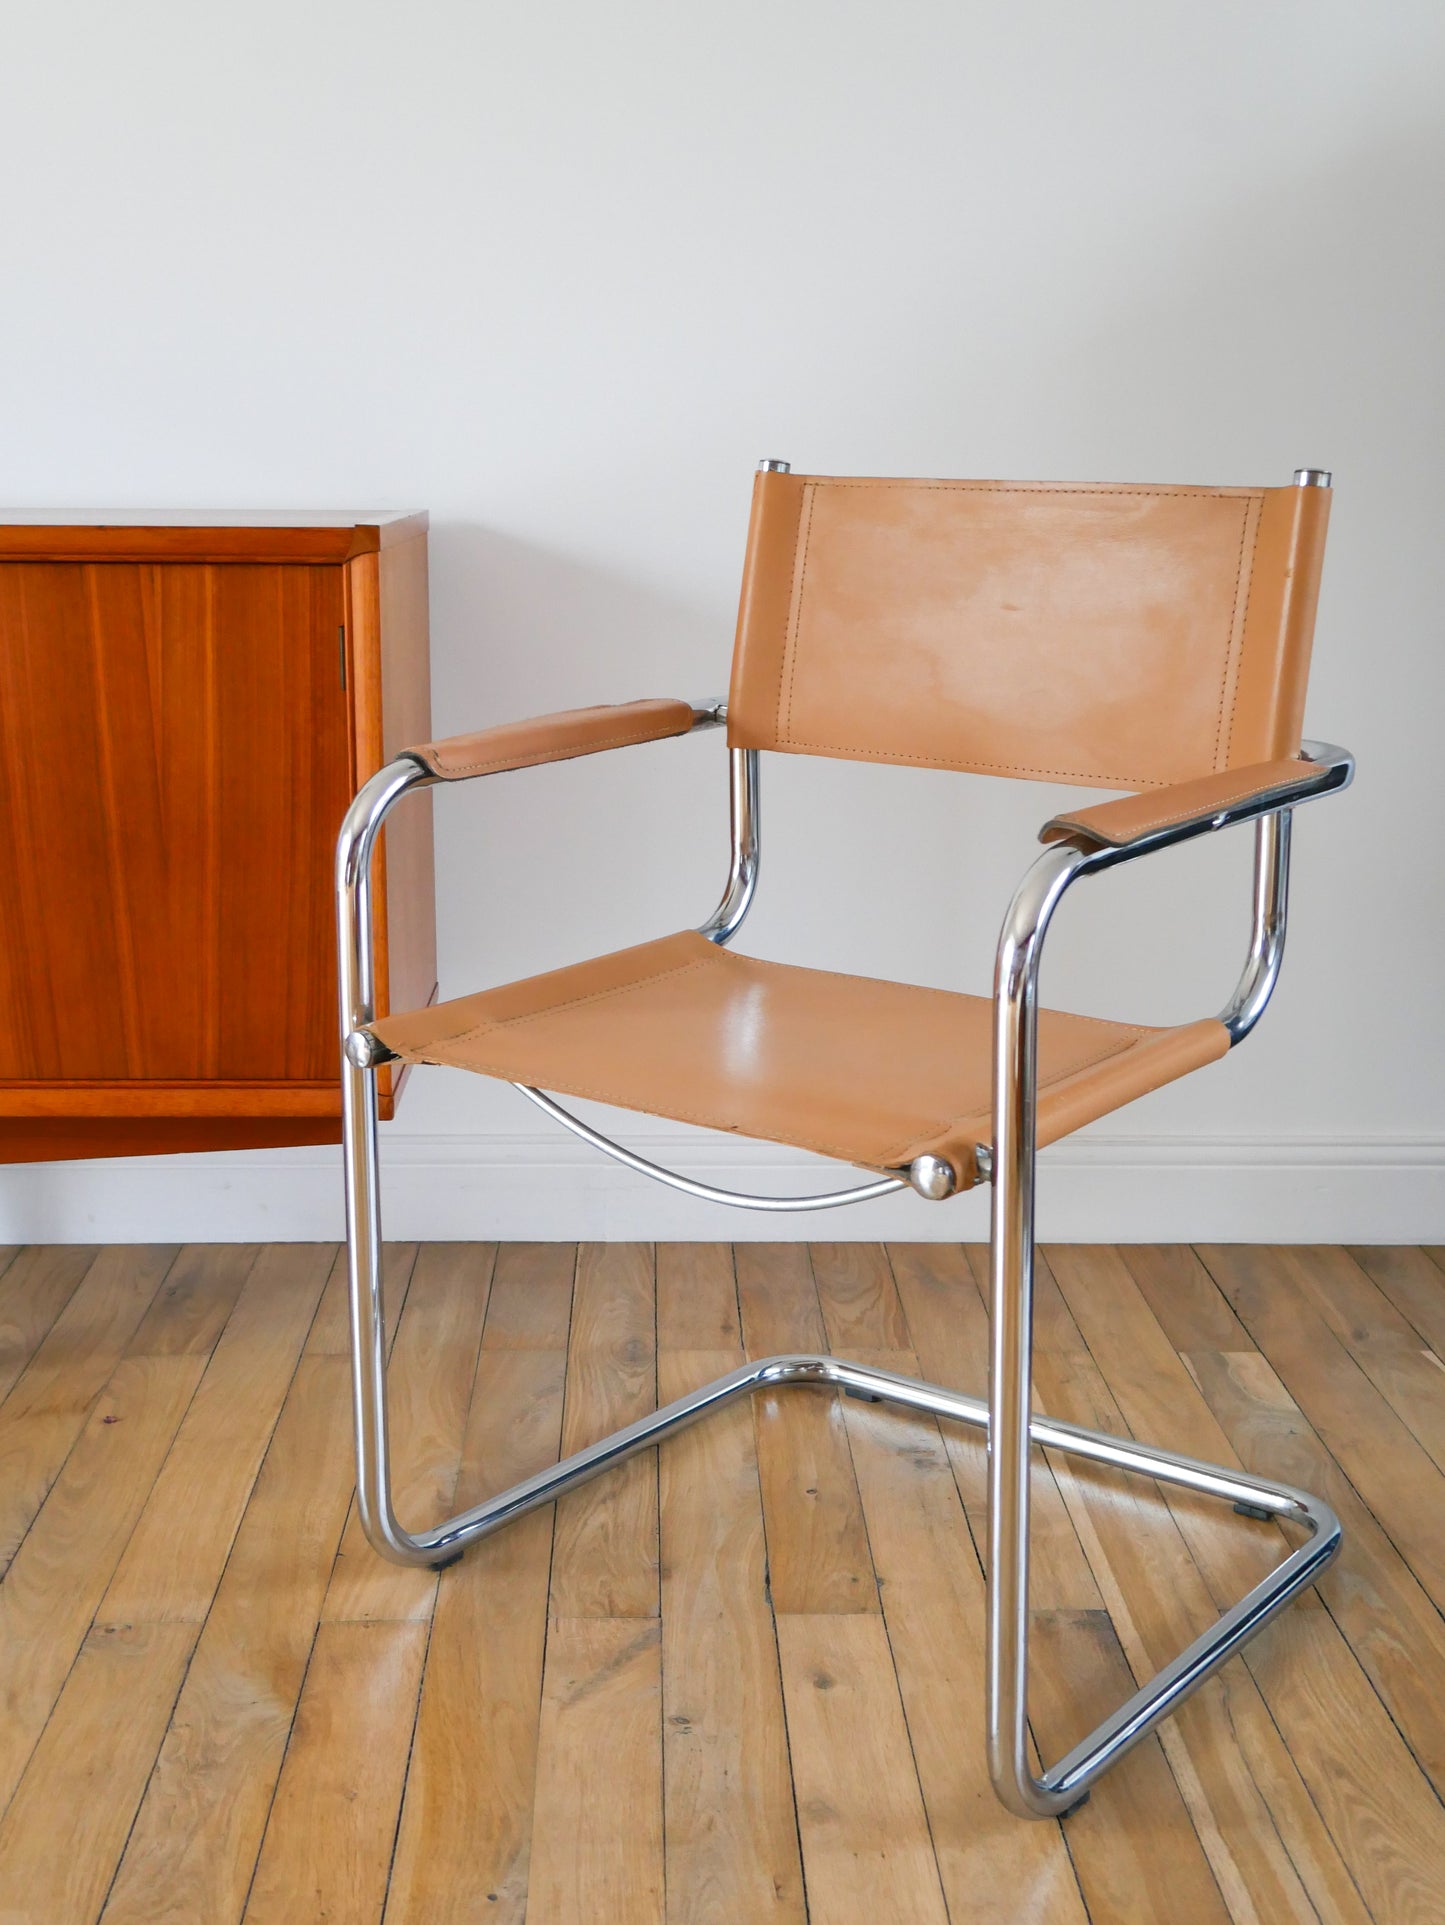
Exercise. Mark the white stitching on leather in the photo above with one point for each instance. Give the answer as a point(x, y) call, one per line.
point(785, 738)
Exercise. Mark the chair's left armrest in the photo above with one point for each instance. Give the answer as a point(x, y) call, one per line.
point(1136, 823)
point(557, 738)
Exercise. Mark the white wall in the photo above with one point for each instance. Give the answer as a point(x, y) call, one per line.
point(562, 273)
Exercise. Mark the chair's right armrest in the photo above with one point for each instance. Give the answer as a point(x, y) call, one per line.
point(557, 738)
point(1135, 824)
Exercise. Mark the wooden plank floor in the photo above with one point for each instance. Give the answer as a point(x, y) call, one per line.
point(741, 1682)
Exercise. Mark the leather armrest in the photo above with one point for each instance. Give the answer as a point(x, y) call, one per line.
point(1198, 804)
point(553, 738)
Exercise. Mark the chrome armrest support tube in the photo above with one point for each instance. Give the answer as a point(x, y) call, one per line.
point(1272, 834)
point(744, 795)
point(1273, 820)
point(1266, 942)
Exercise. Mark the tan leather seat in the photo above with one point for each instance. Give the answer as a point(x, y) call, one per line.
point(873, 1073)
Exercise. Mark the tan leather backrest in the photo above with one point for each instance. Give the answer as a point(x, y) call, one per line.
point(1117, 636)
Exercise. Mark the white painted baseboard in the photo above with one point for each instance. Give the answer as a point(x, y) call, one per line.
point(1107, 1189)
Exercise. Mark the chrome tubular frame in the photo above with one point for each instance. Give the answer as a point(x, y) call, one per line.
point(1012, 1429)
point(880, 1186)
point(359, 1153)
point(1006, 1419)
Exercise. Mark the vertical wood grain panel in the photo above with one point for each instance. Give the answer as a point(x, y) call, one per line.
point(175, 741)
point(61, 942)
point(281, 774)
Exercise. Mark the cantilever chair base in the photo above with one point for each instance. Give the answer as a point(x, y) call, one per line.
point(1065, 1786)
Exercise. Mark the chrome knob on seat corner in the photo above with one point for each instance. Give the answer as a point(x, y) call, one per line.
point(931, 1177)
point(366, 1051)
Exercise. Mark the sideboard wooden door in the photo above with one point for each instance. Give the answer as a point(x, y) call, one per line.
point(184, 715)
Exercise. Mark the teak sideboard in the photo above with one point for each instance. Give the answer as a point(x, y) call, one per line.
point(187, 704)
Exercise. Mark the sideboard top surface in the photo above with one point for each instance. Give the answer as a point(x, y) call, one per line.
point(203, 534)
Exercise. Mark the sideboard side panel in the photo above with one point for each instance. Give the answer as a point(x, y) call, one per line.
point(390, 678)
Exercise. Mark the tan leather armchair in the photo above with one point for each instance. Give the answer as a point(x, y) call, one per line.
point(1154, 639)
